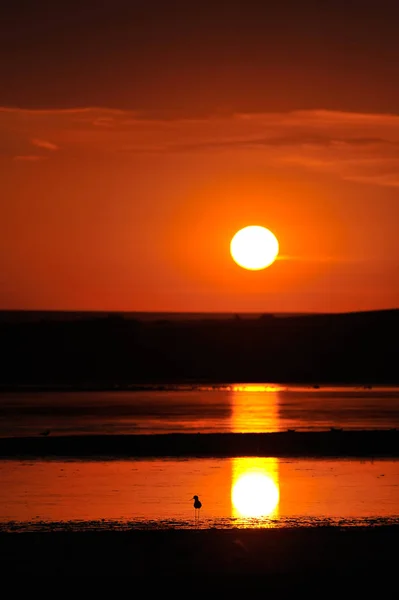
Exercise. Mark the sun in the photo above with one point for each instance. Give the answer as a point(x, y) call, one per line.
point(254, 247)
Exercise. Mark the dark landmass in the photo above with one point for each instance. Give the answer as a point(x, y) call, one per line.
point(339, 443)
point(316, 558)
point(108, 350)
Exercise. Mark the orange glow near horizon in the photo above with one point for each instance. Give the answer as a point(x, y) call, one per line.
point(136, 226)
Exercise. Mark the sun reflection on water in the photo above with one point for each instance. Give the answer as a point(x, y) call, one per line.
point(254, 408)
point(255, 488)
point(255, 491)
point(256, 387)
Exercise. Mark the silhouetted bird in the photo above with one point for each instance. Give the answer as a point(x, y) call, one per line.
point(197, 505)
point(45, 433)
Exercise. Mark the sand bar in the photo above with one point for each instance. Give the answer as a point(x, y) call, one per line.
point(289, 444)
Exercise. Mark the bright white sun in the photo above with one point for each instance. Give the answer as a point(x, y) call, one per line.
point(254, 247)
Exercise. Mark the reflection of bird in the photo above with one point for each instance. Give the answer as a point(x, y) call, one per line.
point(197, 505)
point(240, 546)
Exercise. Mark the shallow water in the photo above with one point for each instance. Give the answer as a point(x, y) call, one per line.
point(191, 409)
point(238, 492)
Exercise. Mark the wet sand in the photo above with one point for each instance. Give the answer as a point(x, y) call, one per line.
point(319, 556)
point(339, 443)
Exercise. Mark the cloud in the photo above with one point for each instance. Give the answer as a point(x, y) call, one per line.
point(357, 147)
point(44, 144)
point(28, 158)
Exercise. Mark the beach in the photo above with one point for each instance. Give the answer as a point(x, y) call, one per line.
point(199, 297)
point(83, 504)
point(285, 557)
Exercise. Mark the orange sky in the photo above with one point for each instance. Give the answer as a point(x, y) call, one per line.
point(204, 126)
point(109, 210)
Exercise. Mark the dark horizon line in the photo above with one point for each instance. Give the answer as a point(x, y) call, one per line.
point(6, 311)
point(209, 312)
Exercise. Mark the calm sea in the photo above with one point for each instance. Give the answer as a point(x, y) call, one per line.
point(179, 409)
point(235, 492)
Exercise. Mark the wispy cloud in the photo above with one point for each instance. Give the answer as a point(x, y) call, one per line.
point(358, 147)
point(28, 158)
point(44, 144)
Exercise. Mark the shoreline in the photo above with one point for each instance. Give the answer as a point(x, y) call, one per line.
point(197, 383)
point(226, 524)
point(333, 443)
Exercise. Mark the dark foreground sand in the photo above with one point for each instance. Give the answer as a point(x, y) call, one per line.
point(285, 558)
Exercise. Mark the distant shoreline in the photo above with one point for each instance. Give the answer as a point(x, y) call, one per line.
point(27, 315)
point(334, 443)
point(195, 385)
point(112, 350)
